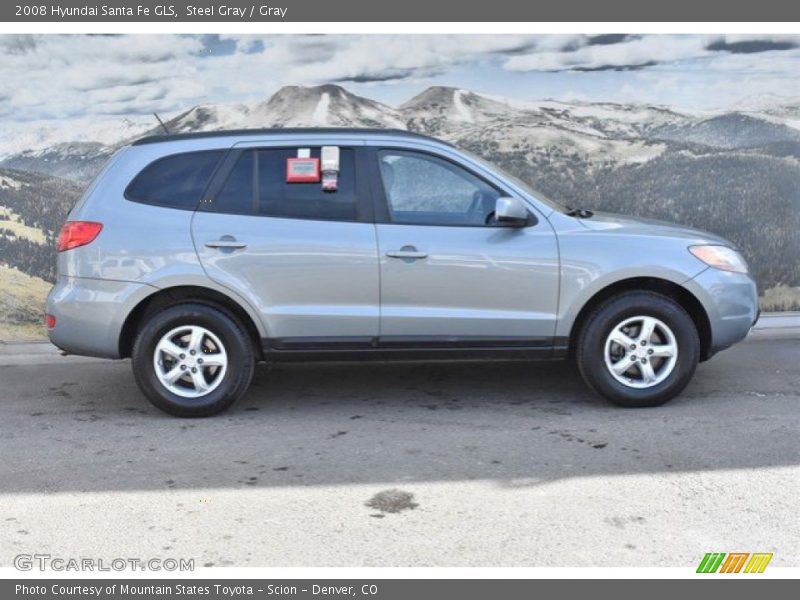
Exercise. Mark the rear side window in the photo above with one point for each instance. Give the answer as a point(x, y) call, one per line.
point(175, 181)
point(257, 186)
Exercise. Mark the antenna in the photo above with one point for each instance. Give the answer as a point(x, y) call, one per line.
point(160, 122)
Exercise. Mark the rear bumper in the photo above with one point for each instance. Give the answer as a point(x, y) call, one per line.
point(90, 313)
point(731, 303)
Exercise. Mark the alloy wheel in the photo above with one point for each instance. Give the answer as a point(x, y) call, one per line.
point(190, 361)
point(641, 352)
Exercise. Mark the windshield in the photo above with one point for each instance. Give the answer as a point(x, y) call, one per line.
point(518, 182)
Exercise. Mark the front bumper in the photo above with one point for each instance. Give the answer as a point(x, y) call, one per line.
point(731, 303)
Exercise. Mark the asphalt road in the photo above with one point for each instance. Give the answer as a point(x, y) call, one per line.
point(392, 465)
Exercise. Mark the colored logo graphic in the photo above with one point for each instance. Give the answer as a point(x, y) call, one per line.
point(734, 562)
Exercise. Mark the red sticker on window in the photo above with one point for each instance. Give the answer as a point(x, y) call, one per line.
point(302, 170)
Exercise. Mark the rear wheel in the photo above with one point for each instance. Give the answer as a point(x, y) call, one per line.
point(638, 349)
point(192, 360)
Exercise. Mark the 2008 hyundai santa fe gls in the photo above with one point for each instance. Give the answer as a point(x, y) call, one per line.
point(198, 255)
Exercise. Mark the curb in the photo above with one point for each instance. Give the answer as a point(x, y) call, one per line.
point(781, 320)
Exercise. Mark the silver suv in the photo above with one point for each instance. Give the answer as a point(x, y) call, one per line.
point(199, 255)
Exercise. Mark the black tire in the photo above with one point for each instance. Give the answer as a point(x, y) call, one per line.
point(237, 344)
point(591, 348)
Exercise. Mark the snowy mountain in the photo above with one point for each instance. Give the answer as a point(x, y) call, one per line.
point(74, 160)
point(609, 131)
point(605, 132)
point(325, 105)
point(618, 120)
point(444, 108)
point(292, 106)
point(770, 105)
point(732, 130)
point(206, 118)
point(40, 136)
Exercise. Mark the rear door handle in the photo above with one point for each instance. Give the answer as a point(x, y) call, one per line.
point(226, 242)
point(407, 252)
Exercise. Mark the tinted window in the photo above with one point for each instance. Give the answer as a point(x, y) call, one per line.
point(264, 170)
point(424, 189)
point(175, 181)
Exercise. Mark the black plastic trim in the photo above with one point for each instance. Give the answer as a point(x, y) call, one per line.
point(466, 341)
point(444, 348)
point(320, 343)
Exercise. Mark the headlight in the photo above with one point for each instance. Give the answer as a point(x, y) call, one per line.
point(720, 257)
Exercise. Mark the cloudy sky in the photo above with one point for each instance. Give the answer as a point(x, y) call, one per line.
point(78, 76)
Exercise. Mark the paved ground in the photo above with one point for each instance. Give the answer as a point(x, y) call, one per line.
point(508, 464)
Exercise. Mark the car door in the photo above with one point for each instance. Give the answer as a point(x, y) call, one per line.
point(451, 275)
point(304, 257)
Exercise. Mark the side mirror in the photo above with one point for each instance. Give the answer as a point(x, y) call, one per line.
point(511, 212)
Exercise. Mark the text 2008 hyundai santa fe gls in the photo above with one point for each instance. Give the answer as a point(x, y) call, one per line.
point(198, 255)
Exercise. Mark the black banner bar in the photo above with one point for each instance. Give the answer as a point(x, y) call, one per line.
point(381, 589)
point(408, 10)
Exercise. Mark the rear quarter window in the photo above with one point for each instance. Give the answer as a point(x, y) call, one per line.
point(175, 181)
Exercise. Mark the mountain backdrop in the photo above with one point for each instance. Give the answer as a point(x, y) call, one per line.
point(735, 172)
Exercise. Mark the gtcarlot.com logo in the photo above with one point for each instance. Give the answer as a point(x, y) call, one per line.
point(734, 562)
point(44, 562)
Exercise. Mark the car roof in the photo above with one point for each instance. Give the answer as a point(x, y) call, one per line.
point(172, 137)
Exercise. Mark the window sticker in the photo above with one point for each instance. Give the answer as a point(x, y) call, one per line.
point(330, 168)
point(302, 170)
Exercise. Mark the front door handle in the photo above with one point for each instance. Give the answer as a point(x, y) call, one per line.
point(407, 252)
point(226, 242)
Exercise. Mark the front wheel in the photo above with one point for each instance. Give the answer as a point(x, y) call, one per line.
point(638, 349)
point(192, 360)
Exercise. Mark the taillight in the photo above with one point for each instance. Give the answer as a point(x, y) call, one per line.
point(49, 321)
point(77, 233)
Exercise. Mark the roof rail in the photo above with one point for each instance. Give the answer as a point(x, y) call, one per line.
point(155, 139)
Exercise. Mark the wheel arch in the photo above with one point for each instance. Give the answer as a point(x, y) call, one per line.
point(171, 296)
point(670, 289)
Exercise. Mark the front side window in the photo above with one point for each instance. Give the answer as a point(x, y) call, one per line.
point(175, 181)
point(257, 185)
point(427, 190)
